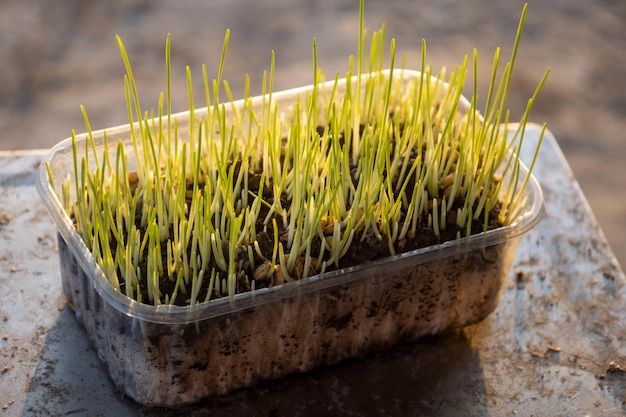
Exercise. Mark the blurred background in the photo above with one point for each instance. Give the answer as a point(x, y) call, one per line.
point(58, 54)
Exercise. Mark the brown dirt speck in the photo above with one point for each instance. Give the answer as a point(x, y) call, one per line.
point(5, 219)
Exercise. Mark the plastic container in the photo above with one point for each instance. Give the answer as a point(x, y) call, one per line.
point(171, 356)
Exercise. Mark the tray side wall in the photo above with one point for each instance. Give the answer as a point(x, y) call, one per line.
point(174, 365)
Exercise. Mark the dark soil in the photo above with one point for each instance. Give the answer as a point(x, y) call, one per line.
point(365, 247)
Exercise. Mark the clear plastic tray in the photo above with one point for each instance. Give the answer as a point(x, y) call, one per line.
point(172, 356)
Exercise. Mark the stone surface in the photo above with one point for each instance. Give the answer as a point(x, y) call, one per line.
point(554, 346)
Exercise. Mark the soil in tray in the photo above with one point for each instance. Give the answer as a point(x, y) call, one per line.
point(362, 250)
point(364, 247)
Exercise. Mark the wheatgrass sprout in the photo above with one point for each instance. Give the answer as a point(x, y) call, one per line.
point(247, 194)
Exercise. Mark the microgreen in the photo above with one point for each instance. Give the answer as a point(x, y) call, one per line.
point(252, 193)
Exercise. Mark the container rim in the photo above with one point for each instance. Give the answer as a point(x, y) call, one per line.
point(171, 314)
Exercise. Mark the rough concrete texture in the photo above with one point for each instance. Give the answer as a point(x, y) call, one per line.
point(554, 345)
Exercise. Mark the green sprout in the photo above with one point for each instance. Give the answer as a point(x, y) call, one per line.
point(258, 192)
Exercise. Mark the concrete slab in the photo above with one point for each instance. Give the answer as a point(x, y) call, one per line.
point(554, 346)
